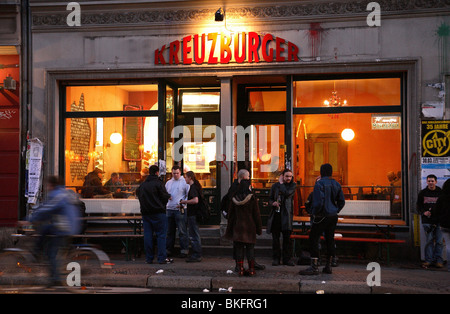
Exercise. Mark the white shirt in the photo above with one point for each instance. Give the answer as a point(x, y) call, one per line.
point(178, 190)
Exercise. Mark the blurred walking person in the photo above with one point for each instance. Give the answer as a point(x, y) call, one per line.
point(56, 220)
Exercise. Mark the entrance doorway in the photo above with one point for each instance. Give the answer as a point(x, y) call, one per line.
point(261, 114)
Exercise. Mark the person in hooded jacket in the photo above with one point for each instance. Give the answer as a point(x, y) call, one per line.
point(328, 201)
point(244, 223)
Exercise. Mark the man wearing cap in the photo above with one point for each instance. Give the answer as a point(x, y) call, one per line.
point(93, 184)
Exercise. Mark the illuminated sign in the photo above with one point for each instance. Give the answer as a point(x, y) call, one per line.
point(435, 138)
point(385, 122)
point(219, 48)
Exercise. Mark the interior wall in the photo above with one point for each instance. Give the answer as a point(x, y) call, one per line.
point(371, 154)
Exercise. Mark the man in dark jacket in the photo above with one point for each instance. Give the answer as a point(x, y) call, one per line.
point(280, 220)
point(426, 204)
point(443, 212)
point(328, 200)
point(153, 198)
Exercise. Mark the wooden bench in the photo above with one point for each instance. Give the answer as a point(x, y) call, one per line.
point(386, 236)
point(99, 222)
point(123, 237)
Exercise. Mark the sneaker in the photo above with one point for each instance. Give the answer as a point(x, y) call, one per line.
point(439, 265)
point(193, 260)
point(426, 265)
point(167, 261)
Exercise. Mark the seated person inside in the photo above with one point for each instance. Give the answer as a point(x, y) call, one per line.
point(92, 185)
point(115, 186)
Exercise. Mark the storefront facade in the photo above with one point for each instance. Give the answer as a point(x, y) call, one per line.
point(267, 88)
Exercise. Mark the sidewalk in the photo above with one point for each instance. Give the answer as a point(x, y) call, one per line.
point(215, 273)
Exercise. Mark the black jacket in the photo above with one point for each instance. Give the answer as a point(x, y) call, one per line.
point(152, 196)
point(286, 194)
point(443, 210)
point(426, 201)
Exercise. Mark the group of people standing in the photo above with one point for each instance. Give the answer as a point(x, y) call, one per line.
point(164, 208)
point(244, 219)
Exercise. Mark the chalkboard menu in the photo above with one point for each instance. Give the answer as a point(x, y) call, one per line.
point(80, 135)
point(132, 134)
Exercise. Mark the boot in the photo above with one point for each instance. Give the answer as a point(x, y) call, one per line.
point(313, 269)
point(327, 268)
point(334, 262)
point(240, 267)
point(251, 268)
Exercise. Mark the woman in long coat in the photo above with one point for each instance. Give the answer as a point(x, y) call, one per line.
point(244, 223)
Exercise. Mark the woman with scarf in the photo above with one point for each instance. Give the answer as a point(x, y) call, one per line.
point(244, 223)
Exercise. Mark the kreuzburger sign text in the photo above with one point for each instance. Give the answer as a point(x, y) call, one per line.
point(219, 48)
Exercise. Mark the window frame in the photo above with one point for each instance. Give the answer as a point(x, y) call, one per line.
point(65, 115)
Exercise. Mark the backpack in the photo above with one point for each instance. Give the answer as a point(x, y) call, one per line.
point(204, 212)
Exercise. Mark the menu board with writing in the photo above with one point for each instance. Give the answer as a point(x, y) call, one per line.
point(132, 131)
point(80, 136)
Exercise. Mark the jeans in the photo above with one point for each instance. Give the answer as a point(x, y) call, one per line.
point(446, 236)
point(52, 245)
point(434, 243)
point(326, 226)
point(194, 237)
point(175, 219)
point(277, 251)
point(155, 223)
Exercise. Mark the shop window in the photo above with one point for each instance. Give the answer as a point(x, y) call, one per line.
point(123, 143)
point(199, 101)
point(111, 97)
point(260, 100)
point(368, 166)
point(348, 93)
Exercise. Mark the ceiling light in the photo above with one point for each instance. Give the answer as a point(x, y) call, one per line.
point(348, 135)
point(116, 138)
